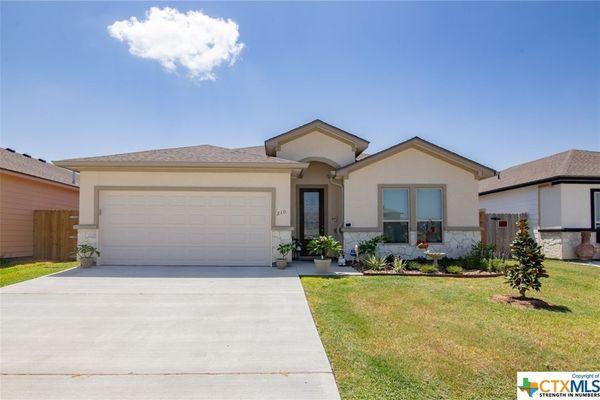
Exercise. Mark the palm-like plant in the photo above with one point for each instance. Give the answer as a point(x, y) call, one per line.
point(324, 246)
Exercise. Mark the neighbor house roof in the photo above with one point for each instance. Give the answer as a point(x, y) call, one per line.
point(10, 160)
point(193, 156)
point(571, 164)
point(481, 171)
point(358, 144)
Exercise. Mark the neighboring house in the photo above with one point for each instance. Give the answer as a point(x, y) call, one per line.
point(28, 184)
point(559, 193)
point(207, 205)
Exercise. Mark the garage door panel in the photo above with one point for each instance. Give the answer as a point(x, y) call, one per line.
point(185, 228)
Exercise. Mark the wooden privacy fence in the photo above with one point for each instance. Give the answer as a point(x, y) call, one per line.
point(54, 237)
point(499, 230)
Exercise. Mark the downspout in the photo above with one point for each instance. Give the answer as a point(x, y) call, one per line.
point(341, 222)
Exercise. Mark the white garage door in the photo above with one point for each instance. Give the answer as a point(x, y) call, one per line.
point(184, 228)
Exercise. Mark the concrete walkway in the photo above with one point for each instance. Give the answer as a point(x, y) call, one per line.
point(162, 333)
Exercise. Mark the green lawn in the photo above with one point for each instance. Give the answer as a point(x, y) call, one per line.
point(401, 337)
point(14, 272)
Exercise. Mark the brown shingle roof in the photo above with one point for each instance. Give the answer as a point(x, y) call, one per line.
point(254, 149)
point(181, 155)
point(17, 162)
point(569, 164)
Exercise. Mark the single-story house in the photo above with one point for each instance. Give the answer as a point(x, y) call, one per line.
point(559, 193)
point(28, 184)
point(208, 205)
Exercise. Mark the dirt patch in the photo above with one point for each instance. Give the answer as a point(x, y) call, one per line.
point(527, 302)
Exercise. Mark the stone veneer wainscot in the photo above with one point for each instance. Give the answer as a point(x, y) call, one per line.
point(456, 244)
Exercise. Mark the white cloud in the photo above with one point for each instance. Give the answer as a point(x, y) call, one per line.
point(191, 40)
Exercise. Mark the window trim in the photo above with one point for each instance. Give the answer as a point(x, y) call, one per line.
point(412, 198)
point(407, 220)
point(593, 217)
point(441, 220)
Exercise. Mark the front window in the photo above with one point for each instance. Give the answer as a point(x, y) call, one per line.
point(429, 209)
point(395, 215)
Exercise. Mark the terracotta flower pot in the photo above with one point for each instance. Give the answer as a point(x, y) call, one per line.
point(585, 250)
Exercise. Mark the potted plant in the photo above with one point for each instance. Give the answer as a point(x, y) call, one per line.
point(296, 248)
point(283, 249)
point(324, 246)
point(86, 254)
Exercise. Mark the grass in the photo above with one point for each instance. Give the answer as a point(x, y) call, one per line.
point(408, 337)
point(14, 272)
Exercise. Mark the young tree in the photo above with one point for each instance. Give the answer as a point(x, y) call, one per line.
point(527, 273)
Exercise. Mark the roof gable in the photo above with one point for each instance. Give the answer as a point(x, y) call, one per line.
point(358, 144)
point(480, 171)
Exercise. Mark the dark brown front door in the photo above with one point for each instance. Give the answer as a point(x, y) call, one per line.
point(312, 215)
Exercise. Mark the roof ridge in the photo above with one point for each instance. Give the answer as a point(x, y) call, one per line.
point(564, 166)
point(534, 161)
point(153, 150)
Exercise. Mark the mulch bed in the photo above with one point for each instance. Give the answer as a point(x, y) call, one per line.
point(526, 302)
point(465, 274)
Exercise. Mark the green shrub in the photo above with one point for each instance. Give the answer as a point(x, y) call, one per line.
point(527, 273)
point(422, 260)
point(428, 268)
point(412, 265)
point(478, 253)
point(369, 247)
point(398, 264)
point(375, 263)
point(454, 269)
point(447, 261)
point(493, 265)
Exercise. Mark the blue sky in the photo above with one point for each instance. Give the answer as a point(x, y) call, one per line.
point(501, 83)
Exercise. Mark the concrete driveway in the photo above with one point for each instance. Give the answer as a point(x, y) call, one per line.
point(162, 333)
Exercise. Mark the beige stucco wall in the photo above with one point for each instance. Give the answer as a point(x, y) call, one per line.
point(316, 175)
point(278, 180)
point(317, 145)
point(411, 166)
point(575, 205)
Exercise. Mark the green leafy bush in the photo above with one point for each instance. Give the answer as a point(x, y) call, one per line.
point(412, 265)
point(369, 247)
point(454, 269)
point(324, 246)
point(447, 261)
point(428, 268)
point(478, 253)
point(398, 264)
point(493, 265)
point(526, 274)
point(285, 248)
point(375, 263)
